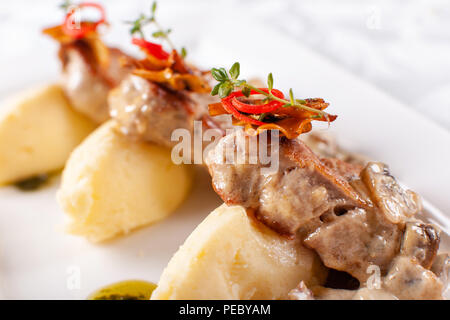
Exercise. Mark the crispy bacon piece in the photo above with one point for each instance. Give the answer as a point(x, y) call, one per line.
point(171, 72)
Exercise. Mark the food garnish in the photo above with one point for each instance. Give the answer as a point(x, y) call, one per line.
point(125, 290)
point(33, 183)
point(82, 33)
point(142, 21)
point(85, 26)
point(167, 68)
point(264, 108)
point(71, 30)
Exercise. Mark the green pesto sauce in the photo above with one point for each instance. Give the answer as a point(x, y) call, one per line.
point(33, 183)
point(125, 290)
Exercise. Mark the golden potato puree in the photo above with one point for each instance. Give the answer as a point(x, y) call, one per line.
point(112, 184)
point(38, 131)
point(229, 256)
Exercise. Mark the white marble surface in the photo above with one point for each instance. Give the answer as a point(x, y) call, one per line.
point(401, 46)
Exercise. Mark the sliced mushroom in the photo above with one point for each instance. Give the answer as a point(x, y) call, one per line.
point(394, 202)
point(420, 241)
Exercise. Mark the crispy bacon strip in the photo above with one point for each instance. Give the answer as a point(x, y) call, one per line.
point(172, 72)
point(175, 81)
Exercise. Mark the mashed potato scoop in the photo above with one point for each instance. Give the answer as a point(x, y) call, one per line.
point(38, 130)
point(229, 256)
point(112, 185)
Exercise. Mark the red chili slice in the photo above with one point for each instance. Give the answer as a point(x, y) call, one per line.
point(235, 107)
point(257, 109)
point(85, 27)
point(228, 106)
point(154, 49)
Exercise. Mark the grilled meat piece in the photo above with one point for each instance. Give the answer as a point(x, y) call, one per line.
point(86, 83)
point(151, 112)
point(356, 240)
point(302, 188)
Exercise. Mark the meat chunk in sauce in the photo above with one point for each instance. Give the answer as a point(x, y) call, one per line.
point(407, 279)
point(301, 189)
point(354, 241)
point(150, 112)
point(85, 83)
point(354, 217)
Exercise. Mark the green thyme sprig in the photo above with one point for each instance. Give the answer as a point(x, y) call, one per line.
point(143, 20)
point(228, 82)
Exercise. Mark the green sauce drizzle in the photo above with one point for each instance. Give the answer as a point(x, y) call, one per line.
point(32, 183)
point(125, 290)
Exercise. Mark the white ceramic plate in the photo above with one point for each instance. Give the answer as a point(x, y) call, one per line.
point(39, 261)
